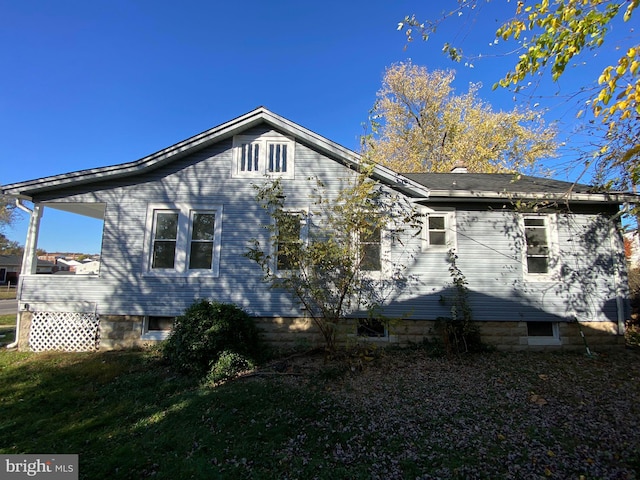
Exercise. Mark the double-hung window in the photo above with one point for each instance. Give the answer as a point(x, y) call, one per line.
point(370, 249)
point(438, 230)
point(291, 233)
point(269, 154)
point(183, 239)
point(539, 236)
point(165, 237)
point(202, 240)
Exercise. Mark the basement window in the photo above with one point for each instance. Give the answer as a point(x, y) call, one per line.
point(157, 327)
point(372, 328)
point(543, 333)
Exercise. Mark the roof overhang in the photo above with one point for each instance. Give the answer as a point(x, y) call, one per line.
point(31, 188)
point(87, 209)
point(488, 196)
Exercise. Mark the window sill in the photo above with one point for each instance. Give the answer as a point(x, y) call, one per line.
point(387, 339)
point(61, 277)
point(174, 274)
point(548, 341)
point(156, 335)
point(439, 249)
point(545, 278)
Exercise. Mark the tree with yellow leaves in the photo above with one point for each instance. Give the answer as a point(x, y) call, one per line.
point(420, 125)
point(555, 34)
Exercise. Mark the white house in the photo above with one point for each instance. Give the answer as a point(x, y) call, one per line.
point(536, 254)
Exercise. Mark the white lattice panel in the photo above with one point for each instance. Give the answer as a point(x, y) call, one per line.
point(65, 331)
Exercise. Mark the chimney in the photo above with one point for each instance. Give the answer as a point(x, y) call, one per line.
point(459, 167)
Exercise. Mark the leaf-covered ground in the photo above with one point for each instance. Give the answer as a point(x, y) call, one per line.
point(489, 416)
point(402, 416)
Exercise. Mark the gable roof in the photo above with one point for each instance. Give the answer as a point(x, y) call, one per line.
point(30, 188)
point(419, 186)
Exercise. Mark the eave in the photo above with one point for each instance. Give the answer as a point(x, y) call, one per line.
point(31, 188)
point(488, 196)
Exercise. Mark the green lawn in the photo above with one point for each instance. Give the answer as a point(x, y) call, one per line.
point(7, 328)
point(405, 415)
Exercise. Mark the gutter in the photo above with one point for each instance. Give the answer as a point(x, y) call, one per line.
point(618, 281)
point(479, 195)
point(22, 207)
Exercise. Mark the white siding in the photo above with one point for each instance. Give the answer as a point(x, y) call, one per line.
point(489, 247)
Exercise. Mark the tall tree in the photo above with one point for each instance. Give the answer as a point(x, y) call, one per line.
point(333, 267)
point(10, 247)
point(8, 212)
point(420, 125)
point(550, 36)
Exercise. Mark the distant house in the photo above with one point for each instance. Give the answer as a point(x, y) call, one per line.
point(91, 267)
point(68, 265)
point(537, 254)
point(10, 266)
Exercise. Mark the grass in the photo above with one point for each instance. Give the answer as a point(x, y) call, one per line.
point(7, 328)
point(7, 293)
point(129, 416)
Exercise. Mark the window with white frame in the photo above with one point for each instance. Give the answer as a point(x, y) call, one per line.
point(438, 230)
point(263, 155)
point(539, 236)
point(183, 240)
point(157, 327)
point(291, 233)
point(202, 240)
point(165, 237)
point(370, 249)
point(543, 333)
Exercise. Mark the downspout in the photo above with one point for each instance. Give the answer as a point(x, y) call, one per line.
point(28, 264)
point(615, 247)
point(23, 207)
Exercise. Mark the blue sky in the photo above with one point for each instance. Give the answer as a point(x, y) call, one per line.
point(94, 83)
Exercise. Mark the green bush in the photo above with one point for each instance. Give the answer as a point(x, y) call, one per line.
point(228, 365)
point(205, 331)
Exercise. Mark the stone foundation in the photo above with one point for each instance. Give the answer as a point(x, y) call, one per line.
point(125, 331)
point(121, 331)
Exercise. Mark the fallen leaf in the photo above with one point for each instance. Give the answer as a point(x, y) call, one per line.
point(537, 399)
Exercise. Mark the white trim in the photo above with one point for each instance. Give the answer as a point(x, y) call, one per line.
point(552, 340)
point(386, 241)
point(551, 230)
point(449, 215)
point(215, 253)
point(70, 306)
point(185, 213)
point(157, 335)
point(262, 142)
point(303, 212)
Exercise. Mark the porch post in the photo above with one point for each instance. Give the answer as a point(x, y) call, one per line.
point(30, 258)
point(29, 264)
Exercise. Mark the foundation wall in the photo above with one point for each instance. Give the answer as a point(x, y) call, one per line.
point(125, 331)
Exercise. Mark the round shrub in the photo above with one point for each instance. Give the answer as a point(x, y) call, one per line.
point(229, 365)
point(205, 330)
